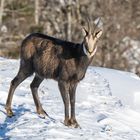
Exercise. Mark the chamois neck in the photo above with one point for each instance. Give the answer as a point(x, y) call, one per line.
point(84, 60)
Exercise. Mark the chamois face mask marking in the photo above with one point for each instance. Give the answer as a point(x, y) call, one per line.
point(89, 46)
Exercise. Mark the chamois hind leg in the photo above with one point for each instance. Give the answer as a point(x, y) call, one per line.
point(34, 88)
point(23, 73)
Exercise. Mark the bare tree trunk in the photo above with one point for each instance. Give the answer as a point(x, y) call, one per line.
point(78, 10)
point(1, 15)
point(36, 14)
point(69, 20)
point(1, 10)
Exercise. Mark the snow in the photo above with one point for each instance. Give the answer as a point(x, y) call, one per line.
point(107, 107)
point(124, 85)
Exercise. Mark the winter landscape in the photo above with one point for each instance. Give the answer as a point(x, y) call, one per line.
point(107, 99)
point(107, 107)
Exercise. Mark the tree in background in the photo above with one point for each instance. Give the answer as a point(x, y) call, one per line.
point(1, 16)
point(36, 14)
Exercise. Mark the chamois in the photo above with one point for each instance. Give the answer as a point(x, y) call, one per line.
point(52, 58)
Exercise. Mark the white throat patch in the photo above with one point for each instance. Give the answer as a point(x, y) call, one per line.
point(87, 53)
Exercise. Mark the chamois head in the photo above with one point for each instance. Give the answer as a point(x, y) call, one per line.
point(90, 39)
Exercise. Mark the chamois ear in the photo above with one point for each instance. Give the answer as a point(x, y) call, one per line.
point(98, 34)
point(85, 31)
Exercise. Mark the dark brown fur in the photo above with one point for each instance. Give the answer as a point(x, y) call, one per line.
point(51, 58)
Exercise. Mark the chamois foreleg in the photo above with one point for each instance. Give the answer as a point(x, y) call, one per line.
point(64, 90)
point(72, 92)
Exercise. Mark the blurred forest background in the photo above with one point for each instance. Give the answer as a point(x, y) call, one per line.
point(119, 46)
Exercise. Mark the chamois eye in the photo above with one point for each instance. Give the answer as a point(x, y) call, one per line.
point(96, 34)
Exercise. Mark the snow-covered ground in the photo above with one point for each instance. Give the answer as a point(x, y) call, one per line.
point(107, 107)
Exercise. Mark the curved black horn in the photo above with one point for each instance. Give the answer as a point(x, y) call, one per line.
point(89, 25)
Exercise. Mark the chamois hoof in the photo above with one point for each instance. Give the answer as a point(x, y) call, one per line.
point(67, 122)
point(9, 112)
point(42, 114)
point(74, 123)
point(71, 123)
